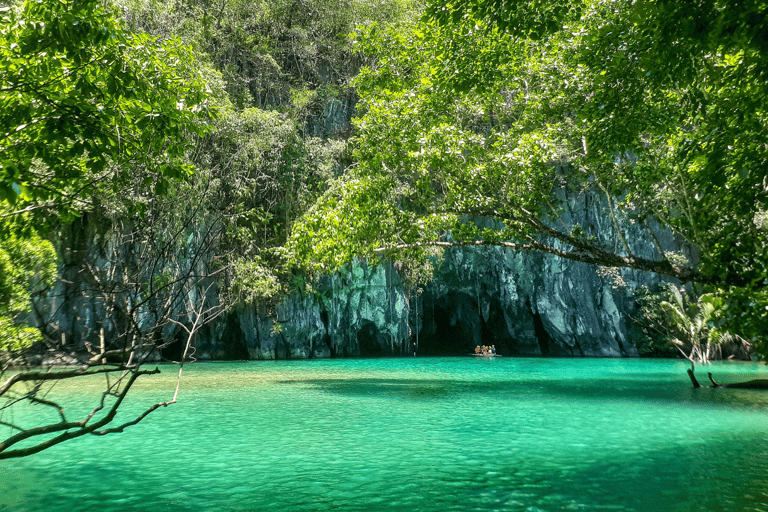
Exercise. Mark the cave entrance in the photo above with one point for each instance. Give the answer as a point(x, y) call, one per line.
point(453, 326)
point(173, 351)
point(371, 341)
point(234, 340)
point(496, 331)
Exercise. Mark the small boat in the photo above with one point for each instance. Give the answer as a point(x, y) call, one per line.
point(486, 355)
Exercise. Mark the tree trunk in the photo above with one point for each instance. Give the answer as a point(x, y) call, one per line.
point(693, 378)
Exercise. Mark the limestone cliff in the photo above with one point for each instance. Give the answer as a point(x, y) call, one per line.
point(363, 313)
point(539, 304)
point(524, 303)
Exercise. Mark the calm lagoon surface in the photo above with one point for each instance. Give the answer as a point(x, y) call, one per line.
point(420, 434)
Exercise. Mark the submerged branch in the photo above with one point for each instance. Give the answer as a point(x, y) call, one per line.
point(750, 384)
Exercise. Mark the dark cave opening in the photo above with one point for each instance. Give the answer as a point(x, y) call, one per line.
point(372, 342)
point(451, 326)
point(173, 351)
point(541, 333)
point(451, 337)
point(234, 340)
point(496, 332)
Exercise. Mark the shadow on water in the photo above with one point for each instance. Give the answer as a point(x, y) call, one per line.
point(416, 389)
point(620, 437)
point(648, 389)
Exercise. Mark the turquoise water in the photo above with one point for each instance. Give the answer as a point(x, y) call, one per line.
point(427, 434)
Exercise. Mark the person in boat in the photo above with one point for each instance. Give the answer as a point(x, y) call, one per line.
point(493, 350)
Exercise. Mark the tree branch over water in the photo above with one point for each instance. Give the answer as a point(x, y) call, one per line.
point(72, 429)
point(510, 112)
point(160, 282)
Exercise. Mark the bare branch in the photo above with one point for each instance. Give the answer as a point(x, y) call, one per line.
point(136, 420)
point(23, 211)
point(80, 427)
point(56, 375)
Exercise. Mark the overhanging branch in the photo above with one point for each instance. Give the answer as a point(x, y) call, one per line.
point(70, 429)
point(594, 257)
point(45, 376)
point(581, 250)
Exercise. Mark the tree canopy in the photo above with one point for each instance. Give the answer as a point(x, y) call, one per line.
point(102, 106)
point(83, 101)
point(27, 267)
point(492, 108)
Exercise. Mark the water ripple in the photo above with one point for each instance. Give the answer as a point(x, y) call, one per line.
point(419, 435)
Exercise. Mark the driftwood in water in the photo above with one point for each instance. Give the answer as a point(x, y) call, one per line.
point(750, 384)
point(693, 378)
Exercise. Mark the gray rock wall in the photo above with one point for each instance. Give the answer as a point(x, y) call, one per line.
point(538, 304)
point(362, 313)
point(526, 304)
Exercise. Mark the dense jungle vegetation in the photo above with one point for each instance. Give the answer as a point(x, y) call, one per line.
point(489, 107)
point(245, 117)
point(225, 151)
point(189, 136)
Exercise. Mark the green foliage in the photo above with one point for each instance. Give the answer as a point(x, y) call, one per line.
point(649, 327)
point(27, 267)
point(689, 323)
point(681, 88)
point(744, 311)
point(671, 321)
point(264, 175)
point(84, 100)
point(428, 157)
point(254, 283)
point(284, 70)
point(270, 50)
point(490, 106)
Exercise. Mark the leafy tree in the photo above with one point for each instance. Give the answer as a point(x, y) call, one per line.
point(264, 175)
point(93, 117)
point(286, 68)
point(275, 54)
point(688, 325)
point(492, 108)
point(27, 267)
point(83, 101)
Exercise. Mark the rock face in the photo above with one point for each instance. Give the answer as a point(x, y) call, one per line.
point(365, 313)
point(539, 304)
point(526, 304)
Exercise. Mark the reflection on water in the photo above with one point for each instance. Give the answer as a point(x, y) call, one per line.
point(419, 434)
